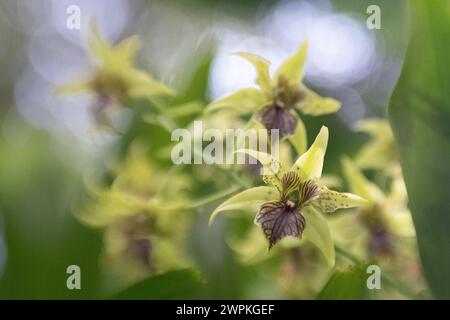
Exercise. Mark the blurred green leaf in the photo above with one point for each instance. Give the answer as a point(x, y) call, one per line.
point(201, 58)
point(346, 284)
point(420, 113)
point(41, 235)
point(170, 285)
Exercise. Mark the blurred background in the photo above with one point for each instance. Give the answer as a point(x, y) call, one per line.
point(47, 142)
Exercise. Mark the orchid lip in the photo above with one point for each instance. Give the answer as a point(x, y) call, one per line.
point(275, 117)
point(279, 219)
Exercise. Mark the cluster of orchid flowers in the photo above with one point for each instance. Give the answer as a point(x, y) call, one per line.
point(294, 202)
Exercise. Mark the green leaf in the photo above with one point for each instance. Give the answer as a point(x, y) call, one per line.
point(419, 112)
point(243, 101)
point(293, 67)
point(197, 88)
point(250, 199)
point(318, 233)
point(347, 284)
point(170, 285)
point(40, 235)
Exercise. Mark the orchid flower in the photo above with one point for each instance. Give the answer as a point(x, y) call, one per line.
point(376, 226)
point(115, 79)
point(274, 101)
point(380, 151)
point(140, 236)
point(293, 202)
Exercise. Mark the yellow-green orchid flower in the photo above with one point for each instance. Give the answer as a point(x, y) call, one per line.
point(380, 223)
point(137, 186)
point(300, 269)
point(276, 97)
point(251, 247)
point(380, 151)
point(133, 249)
point(115, 79)
point(140, 235)
point(293, 202)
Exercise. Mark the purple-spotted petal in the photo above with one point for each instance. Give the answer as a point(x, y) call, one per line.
point(279, 219)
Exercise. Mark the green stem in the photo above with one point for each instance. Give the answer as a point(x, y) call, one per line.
point(231, 174)
point(214, 197)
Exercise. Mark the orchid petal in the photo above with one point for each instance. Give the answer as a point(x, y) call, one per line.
point(330, 200)
point(316, 105)
point(248, 200)
point(359, 184)
point(243, 101)
point(271, 166)
point(318, 233)
point(299, 138)
point(293, 67)
point(262, 69)
point(310, 164)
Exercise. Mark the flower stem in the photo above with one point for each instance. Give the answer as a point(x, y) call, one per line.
point(214, 197)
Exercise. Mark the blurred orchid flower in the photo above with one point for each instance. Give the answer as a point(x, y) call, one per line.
point(377, 225)
point(276, 97)
point(252, 246)
point(115, 79)
point(140, 236)
point(293, 202)
point(380, 151)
